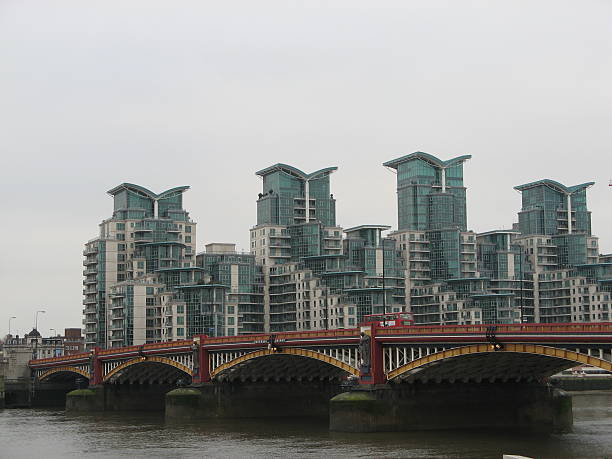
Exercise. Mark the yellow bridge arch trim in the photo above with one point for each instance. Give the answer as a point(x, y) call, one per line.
point(68, 369)
point(137, 360)
point(287, 351)
point(507, 347)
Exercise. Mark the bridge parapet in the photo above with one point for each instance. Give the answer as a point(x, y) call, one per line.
point(206, 358)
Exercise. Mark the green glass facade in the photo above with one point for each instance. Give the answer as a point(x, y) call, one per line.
point(545, 208)
point(243, 279)
point(205, 308)
point(430, 192)
point(291, 196)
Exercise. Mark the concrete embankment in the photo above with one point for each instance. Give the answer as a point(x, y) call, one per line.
point(580, 383)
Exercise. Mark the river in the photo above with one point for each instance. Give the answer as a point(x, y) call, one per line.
point(29, 433)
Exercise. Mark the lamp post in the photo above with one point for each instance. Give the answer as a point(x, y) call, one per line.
point(36, 319)
point(383, 278)
point(10, 318)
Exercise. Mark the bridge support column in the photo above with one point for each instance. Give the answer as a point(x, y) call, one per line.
point(385, 408)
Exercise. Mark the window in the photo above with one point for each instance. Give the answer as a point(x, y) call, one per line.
point(187, 229)
point(140, 265)
point(180, 320)
point(180, 331)
point(187, 238)
point(180, 309)
point(120, 226)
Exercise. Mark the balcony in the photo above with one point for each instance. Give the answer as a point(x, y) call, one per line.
point(140, 228)
point(279, 236)
point(90, 251)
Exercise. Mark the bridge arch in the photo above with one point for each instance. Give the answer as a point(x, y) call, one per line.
point(144, 360)
point(298, 352)
point(558, 359)
point(64, 369)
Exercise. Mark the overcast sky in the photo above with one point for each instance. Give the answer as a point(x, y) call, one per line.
point(168, 93)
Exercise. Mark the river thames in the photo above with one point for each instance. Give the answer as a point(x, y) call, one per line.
point(26, 433)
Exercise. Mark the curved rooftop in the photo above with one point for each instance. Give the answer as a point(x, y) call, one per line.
point(431, 159)
point(295, 171)
point(555, 186)
point(366, 227)
point(146, 192)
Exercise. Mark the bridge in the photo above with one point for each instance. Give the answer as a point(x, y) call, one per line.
point(404, 360)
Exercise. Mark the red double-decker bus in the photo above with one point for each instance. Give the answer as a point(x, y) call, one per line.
point(390, 319)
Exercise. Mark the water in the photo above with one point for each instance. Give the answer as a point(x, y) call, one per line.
point(55, 434)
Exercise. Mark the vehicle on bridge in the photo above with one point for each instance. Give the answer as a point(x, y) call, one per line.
point(391, 319)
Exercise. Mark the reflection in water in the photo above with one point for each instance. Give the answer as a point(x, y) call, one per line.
point(54, 434)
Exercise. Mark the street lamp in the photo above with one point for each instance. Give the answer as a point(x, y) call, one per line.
point(36, 319)
point(10, 318)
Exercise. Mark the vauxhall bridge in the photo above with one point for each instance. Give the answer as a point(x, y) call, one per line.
point(401, 377)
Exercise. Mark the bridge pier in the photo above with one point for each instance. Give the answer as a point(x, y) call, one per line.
point(407, 407)
point(251, 400)
point(85, 400)
point(118, 397)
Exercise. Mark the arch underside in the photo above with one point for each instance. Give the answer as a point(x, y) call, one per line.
point(516, 363)
point(151, 370)
point(283, 366)
point(63, 374)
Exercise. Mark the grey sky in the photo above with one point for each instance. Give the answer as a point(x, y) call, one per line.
point(167, 93)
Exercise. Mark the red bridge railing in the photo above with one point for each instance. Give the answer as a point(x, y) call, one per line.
point(604, 327)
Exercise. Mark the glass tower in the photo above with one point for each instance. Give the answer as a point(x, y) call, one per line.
point(291, 196)
point(431, 198)
point(147, 232)
point(430, 192)
point(550, 208)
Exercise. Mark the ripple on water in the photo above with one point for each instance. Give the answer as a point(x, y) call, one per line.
point(54, 434)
